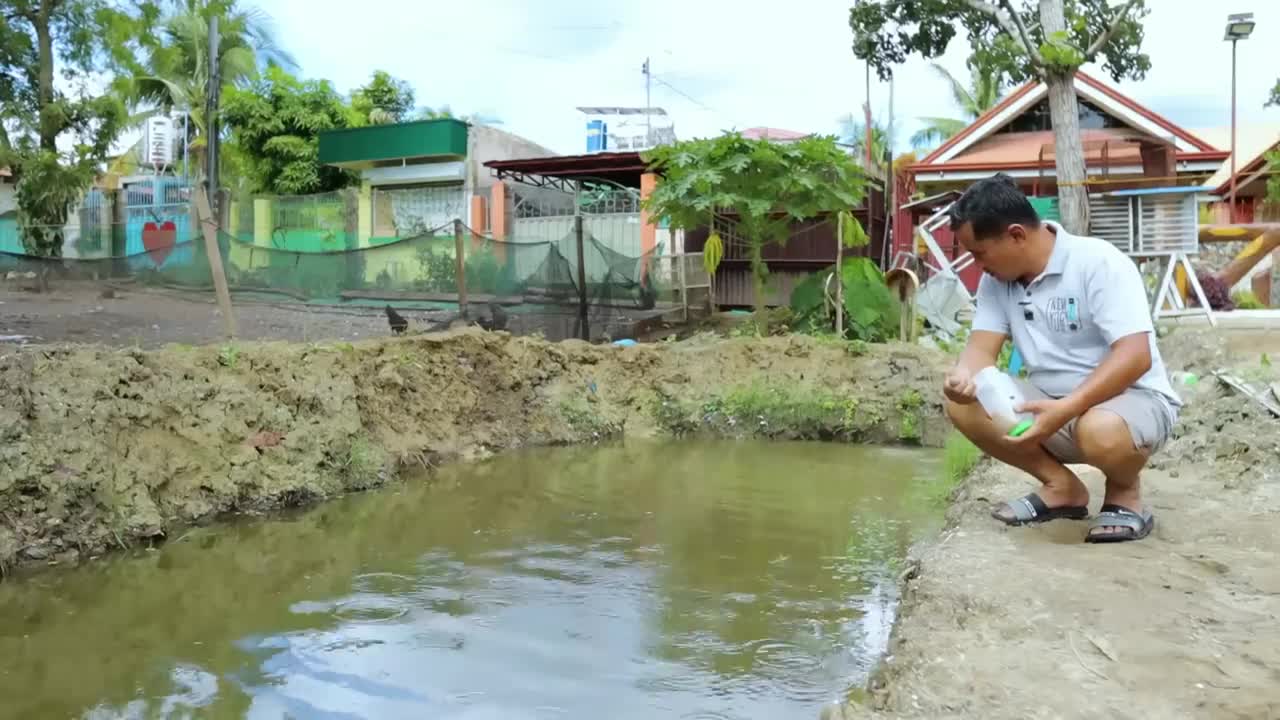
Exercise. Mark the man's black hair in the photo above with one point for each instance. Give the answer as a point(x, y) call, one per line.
point(991, 205)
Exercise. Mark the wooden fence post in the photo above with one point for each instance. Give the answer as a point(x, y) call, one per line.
point(460, 266)
point(209, 225)
point(584, 331)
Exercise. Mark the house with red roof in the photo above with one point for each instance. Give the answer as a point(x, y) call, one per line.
point(1126, 146)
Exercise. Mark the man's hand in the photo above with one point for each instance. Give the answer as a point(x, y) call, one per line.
point(1050, 416)
point(958, 386)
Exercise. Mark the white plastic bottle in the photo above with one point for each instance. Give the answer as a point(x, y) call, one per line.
point(999, 395)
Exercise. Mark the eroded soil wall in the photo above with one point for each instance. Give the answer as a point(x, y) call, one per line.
point(107, 448)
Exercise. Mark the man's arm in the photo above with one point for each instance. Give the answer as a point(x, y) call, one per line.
point(982, 350)
point(990, 327)
point(1129, 359)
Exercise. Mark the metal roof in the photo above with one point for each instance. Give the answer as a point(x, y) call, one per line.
point(1183, 190)
point(624, 168)
point(610, 110)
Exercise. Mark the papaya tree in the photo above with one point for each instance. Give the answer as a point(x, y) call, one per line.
point(1019, 39)
point(759, 185)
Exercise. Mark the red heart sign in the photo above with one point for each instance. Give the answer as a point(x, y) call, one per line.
point(159, 241)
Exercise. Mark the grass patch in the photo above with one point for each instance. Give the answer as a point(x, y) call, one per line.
point(772, 411)
point(363, 465)
point(959, 456)
point(584, 419)
point(228, 356)
point(909, 424)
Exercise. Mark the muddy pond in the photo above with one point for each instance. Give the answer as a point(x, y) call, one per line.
point(685, 580)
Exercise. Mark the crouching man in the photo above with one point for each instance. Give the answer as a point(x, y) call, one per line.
point(1077, 310)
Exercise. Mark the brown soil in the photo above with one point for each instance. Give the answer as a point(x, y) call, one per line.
point(105, 448)
point(140, 316)
point(1032, 623)
point(148, 318)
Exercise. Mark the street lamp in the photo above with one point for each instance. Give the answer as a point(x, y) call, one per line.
point(1239, 27)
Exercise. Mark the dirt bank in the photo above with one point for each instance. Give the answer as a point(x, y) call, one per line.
point(1030, 623)
point(103, 448)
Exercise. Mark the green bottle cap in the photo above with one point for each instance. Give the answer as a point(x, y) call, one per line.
point(1021, 427)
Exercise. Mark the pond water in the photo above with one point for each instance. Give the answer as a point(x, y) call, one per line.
point(685, 580)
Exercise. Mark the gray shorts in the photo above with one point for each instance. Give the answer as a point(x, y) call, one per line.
point(1148, 415)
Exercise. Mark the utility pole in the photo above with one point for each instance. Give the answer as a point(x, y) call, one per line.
point(648, 122)
point(867, 108)
point(892, 211)
point(211, 112)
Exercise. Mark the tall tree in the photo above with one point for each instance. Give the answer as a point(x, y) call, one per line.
point(385, 99)
point(982, 93)
point(853, 132)
point(1046, 39)
point(173, 75)
point(276, 121)
point(57, 133)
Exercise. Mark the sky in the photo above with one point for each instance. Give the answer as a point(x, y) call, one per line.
point(716, 66)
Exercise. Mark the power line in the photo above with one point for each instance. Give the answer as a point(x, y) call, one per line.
point(683, 94)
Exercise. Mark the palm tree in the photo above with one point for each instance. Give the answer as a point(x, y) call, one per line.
point(853, 132)
point(438, 113)
point(175, 76)
point(984, 92)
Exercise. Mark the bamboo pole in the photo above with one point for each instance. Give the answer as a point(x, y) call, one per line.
point(209, 225)
point(460, 267)
point(839, 277)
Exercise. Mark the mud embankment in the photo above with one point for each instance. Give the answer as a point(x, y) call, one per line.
point(102, 449)
point(1000, 622)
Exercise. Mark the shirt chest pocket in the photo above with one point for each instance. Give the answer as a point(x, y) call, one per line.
point(1067, 318)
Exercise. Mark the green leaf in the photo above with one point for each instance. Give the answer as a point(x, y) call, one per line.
point(854, 235)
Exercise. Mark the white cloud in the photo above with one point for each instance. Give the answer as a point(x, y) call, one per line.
point(788, 66)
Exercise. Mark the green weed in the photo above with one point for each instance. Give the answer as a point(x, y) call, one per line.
point(363, 464)
point(1247, 300)
point(584, 419)
point(959, 456)
point(909, 425)
point(228, 356)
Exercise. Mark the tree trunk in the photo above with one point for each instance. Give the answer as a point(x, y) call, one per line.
point(840, 274)
point(1064, 112)
point(758, 271)
point(1068, 155)
point(44, 48)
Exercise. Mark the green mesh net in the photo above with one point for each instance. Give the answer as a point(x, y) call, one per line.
point(536, 283)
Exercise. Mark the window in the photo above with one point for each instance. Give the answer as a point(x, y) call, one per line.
point(1037, 118)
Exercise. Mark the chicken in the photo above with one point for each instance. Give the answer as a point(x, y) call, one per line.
point(397, 321)
point(499, 316)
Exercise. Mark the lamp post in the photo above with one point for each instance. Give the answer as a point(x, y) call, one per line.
point(1239, 27)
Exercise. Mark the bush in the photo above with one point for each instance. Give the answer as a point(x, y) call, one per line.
point(870, 311)
point(1246, 300)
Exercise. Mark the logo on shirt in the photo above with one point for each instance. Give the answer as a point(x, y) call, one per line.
point(1062, 314)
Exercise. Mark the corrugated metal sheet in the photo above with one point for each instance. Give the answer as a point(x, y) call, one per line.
point(1167, 223)
point(733, 286)
point(1111, 219)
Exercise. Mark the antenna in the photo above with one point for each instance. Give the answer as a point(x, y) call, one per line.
point(648, 123)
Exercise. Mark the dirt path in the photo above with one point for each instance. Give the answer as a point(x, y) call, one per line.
point(149, 318)
point(1032, 623)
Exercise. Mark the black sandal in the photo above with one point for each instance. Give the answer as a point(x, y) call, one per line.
point(1030, 509)
point(1133, 526)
